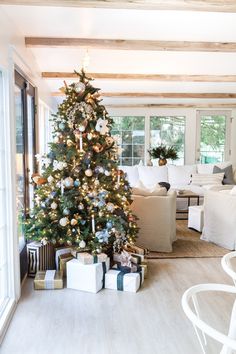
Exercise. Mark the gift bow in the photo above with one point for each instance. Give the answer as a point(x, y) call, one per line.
point(126, 259)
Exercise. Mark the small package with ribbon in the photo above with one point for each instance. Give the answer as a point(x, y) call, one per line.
point(134, 269)
point(86, 277)
point(49, 279)
point(87, 258)
point(76, 251)
point(125, 262)
point(59, 251)
point(119, 280)
point(136, 249)
point(63, 259)
point(134, 258)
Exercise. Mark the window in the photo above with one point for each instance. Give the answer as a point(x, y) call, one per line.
point(130, 134)
point(168, 131)
point(213, 136)
point(25, 146)
point(46, 128)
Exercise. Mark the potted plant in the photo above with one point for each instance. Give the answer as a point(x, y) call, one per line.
point(163, 153)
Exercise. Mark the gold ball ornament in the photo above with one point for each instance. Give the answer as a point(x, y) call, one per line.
point(88, 172)
point(97, 148)
point(74, 222)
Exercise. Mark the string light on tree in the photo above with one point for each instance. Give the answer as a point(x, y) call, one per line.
point(75, 199)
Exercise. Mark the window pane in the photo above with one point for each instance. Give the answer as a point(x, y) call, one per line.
point(129, 132)
point(20, 176)
point(170, 131)
point(213, 138)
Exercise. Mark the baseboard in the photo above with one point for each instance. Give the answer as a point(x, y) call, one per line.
point(6, 318)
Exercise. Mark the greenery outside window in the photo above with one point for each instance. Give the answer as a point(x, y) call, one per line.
point(213, 136)
point(169, 131)
point(130, 134)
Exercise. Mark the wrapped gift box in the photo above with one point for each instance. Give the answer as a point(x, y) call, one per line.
point(63, 259)
point(87, 258)
point(86, 277)
point(40, 257)
point(117, 280)
point(135, 258)
point(59, 251)
point(133, 269)
point(136, 249)
point(76, 251)
point(49, 279)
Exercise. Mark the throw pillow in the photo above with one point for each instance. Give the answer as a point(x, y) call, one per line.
point(208, 167)
point(228, 174)
point(151, 175)
point(165, 185)
point(180, 175)
point(205, 178)
point(156, 190)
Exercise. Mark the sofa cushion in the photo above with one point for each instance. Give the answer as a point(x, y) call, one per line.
point(151, 175)
point(201, 179)
point(156, 190)
point(180, 174)
point(132, 174)
point(228, 174)
point(233, 191)
point(208, 168)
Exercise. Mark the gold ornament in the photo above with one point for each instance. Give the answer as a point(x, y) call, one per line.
point(97, 148)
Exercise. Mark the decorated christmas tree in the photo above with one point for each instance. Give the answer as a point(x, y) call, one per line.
point(81, 197)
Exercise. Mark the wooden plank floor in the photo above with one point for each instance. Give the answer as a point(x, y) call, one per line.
point(111, 322)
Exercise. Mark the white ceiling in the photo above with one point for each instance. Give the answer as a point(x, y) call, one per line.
point(132, 24)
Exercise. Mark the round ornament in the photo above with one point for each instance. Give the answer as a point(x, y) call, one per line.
point(79, 87)
point(73, 222)
point(56, 140)
point(81, 206)
point(88, 172)
point(97, 148)
point(69, 243)
point(98, 250)
point(77, 183)
point(96, 182)
point(63, 221)
point(66, 211)
point(69, 142)
point(82, 128)
point(54, 205)
point(68, 182)
point(50, 179)
point(109, 224)
point(89, 136)
point(82, 244)
point(61, 126)
point(107, 173)
point(110, 207)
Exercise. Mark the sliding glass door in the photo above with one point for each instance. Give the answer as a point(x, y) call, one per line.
point(25, 150)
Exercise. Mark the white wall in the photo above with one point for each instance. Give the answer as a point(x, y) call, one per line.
point(191, 126)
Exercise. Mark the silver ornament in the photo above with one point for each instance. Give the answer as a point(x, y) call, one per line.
point(79, 87)
point(82, 244)
point(89, 172)
point(68, 182)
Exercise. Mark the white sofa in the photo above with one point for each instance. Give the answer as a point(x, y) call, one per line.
point(220, 219)
point(179, 177)
point(156, 221)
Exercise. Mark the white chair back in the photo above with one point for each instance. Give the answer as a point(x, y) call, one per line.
point(201, 327)
point(227, 265)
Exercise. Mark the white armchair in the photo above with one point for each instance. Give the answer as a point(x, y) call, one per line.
point(157, 225)
point(220, 219)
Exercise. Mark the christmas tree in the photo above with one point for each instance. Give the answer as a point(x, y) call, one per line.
point(81, 197)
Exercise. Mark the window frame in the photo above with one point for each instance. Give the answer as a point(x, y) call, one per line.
point(209, 112)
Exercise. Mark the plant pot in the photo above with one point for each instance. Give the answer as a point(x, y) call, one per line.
point(162, 162)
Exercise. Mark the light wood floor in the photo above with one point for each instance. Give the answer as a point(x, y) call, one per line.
point(111, 322)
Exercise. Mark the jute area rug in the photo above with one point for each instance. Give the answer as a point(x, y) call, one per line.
point(189, 245)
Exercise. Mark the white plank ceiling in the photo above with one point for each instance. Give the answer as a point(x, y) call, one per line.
point(130, 24)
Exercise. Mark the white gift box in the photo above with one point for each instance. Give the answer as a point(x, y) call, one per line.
point(114, 279)
point(141, 270)
point(86, 277)
point(87, 258)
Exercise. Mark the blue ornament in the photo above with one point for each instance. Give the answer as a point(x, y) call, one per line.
point(43, 205)
point(76, 183)
point(62, 126)
point(53, 194)
point(83, 222)
point(109, 225)
point(47, 200)
point(101, 203)
point(102, 236)
point(66, 211)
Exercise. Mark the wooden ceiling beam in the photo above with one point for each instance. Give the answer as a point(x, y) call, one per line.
point(126, 44)
point(173, 105)
point(163, 95)
point(173, 5)
point(153, 77)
